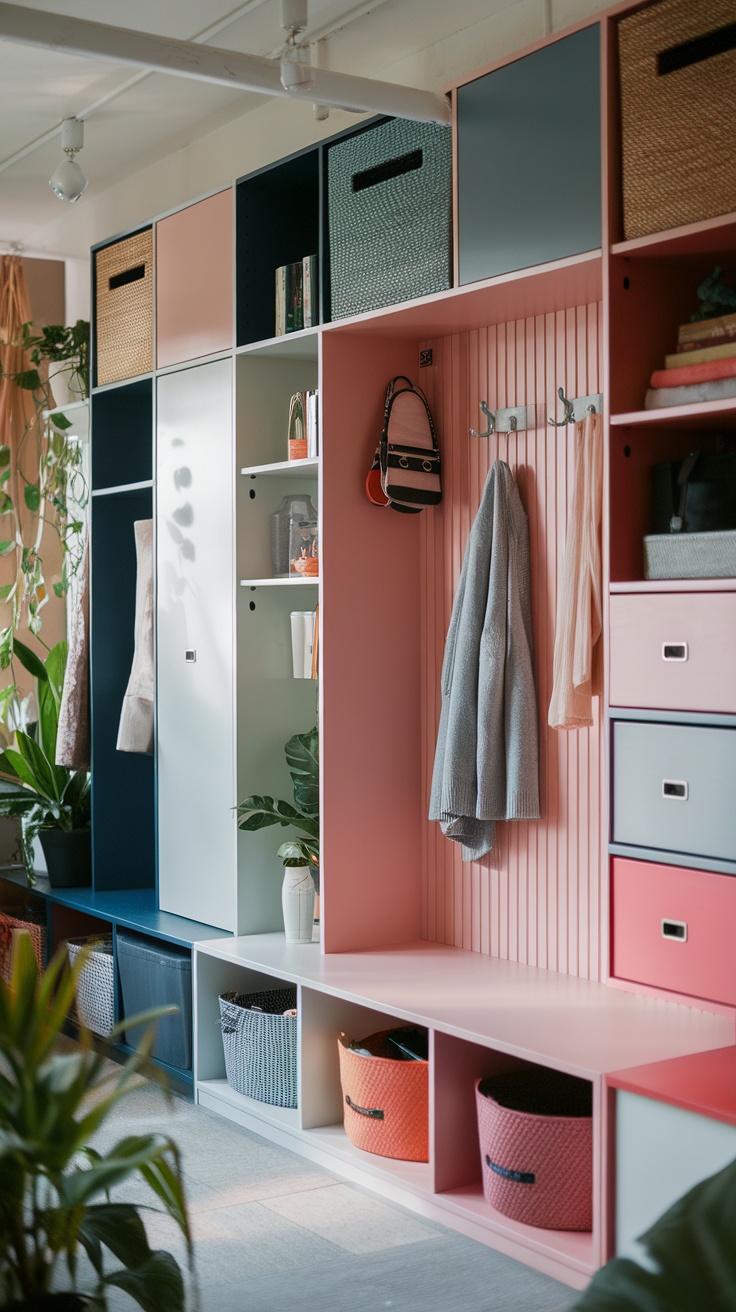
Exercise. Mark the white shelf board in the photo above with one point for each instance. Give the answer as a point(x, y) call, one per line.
point(286, 1118)
point(575, 1247)
point(570, 1024)
point(301, 345)
point(297, 582)
point(285, 468)
point(415, 1176)
point(674, 585)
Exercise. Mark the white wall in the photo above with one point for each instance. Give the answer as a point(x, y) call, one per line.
point(279, 127)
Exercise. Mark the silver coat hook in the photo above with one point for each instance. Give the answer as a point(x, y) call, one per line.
point(569, 416)
point(491, 422)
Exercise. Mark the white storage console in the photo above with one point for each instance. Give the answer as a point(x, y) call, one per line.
point(484, 1016)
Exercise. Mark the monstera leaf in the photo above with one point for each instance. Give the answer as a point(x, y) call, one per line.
point(302, 758)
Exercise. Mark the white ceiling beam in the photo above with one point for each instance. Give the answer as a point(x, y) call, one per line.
point(77, 36)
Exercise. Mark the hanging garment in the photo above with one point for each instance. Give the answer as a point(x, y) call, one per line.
point(136, 721)
point(72, 738)
point(577, 659)
point(486, 764)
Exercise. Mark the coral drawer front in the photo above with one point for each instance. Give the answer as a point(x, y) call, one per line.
point(674, 788)
point(674, 652)
point(674, 929)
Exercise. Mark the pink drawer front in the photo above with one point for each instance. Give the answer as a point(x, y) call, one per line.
point(674, 929)
point(194, 281)
point(674, 651)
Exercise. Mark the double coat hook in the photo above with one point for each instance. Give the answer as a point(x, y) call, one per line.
point(513, 419)
point(578, 408)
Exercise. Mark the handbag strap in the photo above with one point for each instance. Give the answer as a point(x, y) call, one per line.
point(677, 521)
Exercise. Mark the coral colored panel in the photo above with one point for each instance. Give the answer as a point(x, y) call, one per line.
point(698, 906)
point(194, 281)
point(538, 897)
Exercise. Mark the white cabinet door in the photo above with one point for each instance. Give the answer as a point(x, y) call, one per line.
point(195, 643)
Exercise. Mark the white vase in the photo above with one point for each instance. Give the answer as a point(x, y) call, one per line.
point(297, 901)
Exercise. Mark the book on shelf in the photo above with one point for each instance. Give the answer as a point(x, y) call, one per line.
point(297, 296)
point(724, 351)
point(720, 389)
point(694, 373)
point(303, 438)
point(722, 328)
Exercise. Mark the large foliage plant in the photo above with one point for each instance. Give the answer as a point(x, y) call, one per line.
point(56, 1206)
point(258, 812)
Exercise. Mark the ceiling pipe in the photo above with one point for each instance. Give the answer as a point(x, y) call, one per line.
point(77, 36)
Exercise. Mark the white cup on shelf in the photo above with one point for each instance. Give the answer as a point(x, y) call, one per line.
point(302, 643)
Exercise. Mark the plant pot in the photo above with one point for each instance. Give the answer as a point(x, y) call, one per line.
point(297, 901)
point(68, 854)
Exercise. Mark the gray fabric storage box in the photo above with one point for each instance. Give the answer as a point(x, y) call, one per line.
point(690, 555)
point(389, 209)
point(157, 975)
point(673, 787)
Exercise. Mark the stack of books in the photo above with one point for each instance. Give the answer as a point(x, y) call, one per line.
point(303, 439)
point(297, 296)
point(702, 367)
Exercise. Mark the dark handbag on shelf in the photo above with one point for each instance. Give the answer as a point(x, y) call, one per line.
point(405, 473)
point(695, 495)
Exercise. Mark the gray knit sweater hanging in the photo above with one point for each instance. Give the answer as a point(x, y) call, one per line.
point(486, 765)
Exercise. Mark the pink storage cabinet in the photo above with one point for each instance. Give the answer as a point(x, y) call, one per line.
point(673, 929)
point(673, 651)
point(194, 313)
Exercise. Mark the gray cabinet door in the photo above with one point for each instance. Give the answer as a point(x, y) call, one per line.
point(196, 645)
point(529, 159)
point(674, 788)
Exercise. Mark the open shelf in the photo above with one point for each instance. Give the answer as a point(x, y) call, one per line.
point(674, 585)
point(706, 414)
point(414, 1176)
point(219, 1096)
point(308, 467)
point(296, 582)
point(691, 239)
point(300, 345)
point(574, 1247)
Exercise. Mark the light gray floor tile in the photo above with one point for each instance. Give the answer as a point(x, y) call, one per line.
point(357, 1222)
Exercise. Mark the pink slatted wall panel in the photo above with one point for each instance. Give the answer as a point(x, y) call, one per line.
point(537, 898)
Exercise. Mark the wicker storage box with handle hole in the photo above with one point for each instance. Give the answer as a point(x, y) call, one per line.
point(260, 1044)
point(124, 308)
point(95, 985)
point(678, 113)
point(385, 1102)
point(536, 1146)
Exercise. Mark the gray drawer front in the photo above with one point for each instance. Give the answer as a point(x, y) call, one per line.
point(674, 788)
point(529, 159)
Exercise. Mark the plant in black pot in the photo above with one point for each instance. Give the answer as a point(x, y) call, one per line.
point(53, 802)
point(299, 856)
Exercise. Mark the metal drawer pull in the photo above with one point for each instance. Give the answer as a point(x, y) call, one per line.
point(674, 651)
point(675, 789)
point(675, 929)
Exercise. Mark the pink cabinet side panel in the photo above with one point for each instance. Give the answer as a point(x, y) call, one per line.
point(539, 896)
point(674, 928)
point(674, 651)
point(194, 281)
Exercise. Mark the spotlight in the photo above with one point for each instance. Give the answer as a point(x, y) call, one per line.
point(68, 181)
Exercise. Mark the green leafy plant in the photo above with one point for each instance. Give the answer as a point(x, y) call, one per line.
point(44, 795)
point(694, 1258)
point(256, 812)
point(55, 1197)
point(57, 344)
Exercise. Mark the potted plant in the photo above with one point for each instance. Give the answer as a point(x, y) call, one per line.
point(65, 350)
point(299, 856)
point(53, 802)
point(55, 1203)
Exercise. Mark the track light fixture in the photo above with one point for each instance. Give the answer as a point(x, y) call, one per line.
point(68, 181)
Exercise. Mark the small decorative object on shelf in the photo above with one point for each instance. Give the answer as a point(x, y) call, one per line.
point(303, 624)
point(536, 1145)
point(301, 854)
point(304, 548)
point(385, 1085)
point(303, 440)
point(295, 507)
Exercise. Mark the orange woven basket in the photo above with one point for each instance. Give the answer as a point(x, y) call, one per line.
point(9, 923)
point(386, 1102)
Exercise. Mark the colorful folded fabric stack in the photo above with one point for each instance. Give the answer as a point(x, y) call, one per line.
point(702, 368)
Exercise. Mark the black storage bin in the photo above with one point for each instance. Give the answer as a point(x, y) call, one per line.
point(158, 975)
point(389, 207)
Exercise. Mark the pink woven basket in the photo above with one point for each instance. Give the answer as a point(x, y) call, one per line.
point(386, 1102)
point(536, 1147)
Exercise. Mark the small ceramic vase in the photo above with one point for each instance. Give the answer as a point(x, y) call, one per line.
point(297, 901)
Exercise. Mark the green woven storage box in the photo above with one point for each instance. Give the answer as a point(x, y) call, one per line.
point(389, 206)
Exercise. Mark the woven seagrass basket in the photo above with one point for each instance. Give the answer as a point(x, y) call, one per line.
point(260, 1045)
point(95, 985)
point(536, 1145)
point(10, 921)
point(124, 319)
point(678, 114)
point(386, 1102)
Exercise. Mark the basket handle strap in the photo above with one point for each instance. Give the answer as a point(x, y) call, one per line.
point(519, 1177)
point(375, 1113)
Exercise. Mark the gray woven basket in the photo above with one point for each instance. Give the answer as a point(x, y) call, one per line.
point(95, 987)
point(690, 555)
point(389, 202)
point(260, 1045)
